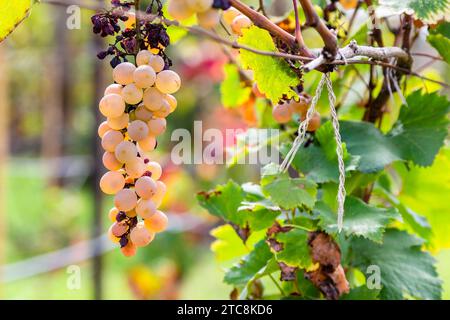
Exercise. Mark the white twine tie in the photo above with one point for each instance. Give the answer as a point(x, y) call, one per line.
point(339, 150)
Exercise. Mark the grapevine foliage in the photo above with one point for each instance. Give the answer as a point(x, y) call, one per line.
point(283, 228)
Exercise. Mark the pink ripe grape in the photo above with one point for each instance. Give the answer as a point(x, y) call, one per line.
point(199, 5)
point(143, 57)
point(112, 105)
point(314, 123)
point(142, 113)
point(118, 229)
point(125, 152)
point(123, 73)
point(144, 76)
point(110, 162)
point(135, 168)
point(239, 23)
point(111, 139)
point(145, 208)
point(157, 222)
point(155, 170)
point(157, 126)
point(125, 200)
point(168, 81)
point(163, 112)
point(103, 128)
point(112, 182)
point(160, 193)
point(145, 187)
point(179, 10)
point(113, 88)
point(282, 113)
point(118, 123)
point(112, 214)
point(208, 19)
point(230, 14)
point(111, 236)
point(141, 236)
point(147, 144)
point(157, 63)
point(172, 102)
point(153, 99)
point(132, 94)
point(138, 130)
point(129, 250)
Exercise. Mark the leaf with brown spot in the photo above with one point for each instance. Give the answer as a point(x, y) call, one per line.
point(287, 273)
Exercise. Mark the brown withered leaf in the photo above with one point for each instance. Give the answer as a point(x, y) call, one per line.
point(329, 278)
point(324, 283)
point(324, 250)
point(338, 277)
point(256, 290)
point(234, 294)
point(287, 273)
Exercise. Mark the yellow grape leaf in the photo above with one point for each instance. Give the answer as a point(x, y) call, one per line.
point(13, 13)
point(272, 74)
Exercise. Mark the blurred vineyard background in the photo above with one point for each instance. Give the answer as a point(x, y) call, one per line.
point(50, 82)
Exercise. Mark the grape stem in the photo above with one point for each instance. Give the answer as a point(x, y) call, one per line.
point(298, 32)
point(138, 25)
point(328, 36)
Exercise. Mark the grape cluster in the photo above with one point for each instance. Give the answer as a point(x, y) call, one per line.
point(283, 112)
point(135, 107)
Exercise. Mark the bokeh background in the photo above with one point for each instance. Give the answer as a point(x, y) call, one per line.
point(52, 214)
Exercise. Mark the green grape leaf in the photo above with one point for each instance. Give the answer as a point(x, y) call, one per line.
point(13, 13)
point(294, 248)
point(361, 293)
point(429, 11)
point(360, 219)
point(421, 127)
point(367, 142)
point(439, 38)
point(291, 193)
point(414, 222)
point(273, 75)
point(224, 202)
point(319, 160)
point(229, 246)
point(233, 92)
point(416, 136)
point(404, 267)
point(258, 216)
point(426, 191)
point(250, 266)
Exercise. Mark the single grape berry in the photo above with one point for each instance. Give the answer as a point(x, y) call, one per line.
point(282, 113)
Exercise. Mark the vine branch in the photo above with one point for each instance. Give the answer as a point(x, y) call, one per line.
point(313, 20)
point(344, 57)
